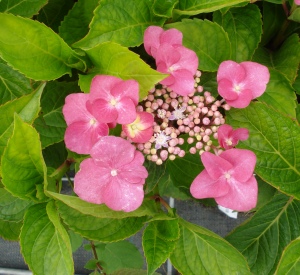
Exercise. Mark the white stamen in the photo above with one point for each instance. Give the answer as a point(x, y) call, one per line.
point(114, 172)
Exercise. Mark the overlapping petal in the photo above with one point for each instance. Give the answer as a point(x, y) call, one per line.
point(228, 138)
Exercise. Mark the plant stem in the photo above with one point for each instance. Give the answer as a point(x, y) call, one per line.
point(96, 257)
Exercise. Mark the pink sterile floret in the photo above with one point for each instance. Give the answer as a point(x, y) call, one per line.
point(297, 2)
point(228, 178)
point(238, 84)
point(83, 130)
point(113, 99)
point(154, 36)
point(181, 63)
point(141, 130)
point(114, 175)
point(228, 137)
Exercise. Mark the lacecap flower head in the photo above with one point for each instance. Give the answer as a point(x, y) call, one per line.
point(114, 175)
point(238, 84)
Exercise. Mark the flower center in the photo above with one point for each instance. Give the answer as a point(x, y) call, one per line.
point(237, 88)
point(228, 141)
point(178, 114)
point(114, 172)
point(227, 175)
point(93, 121)
point(113, 102)
point(161, 139)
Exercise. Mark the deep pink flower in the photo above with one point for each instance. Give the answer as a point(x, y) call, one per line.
point(113, 99)
point(83, 130)
point(154, 36)
point(181, 63)
point(228, 178)
point(238, 84)
point(114, 175)
point(228, 137)
point(141, 130)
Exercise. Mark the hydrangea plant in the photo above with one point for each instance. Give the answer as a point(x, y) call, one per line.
point(141, 101)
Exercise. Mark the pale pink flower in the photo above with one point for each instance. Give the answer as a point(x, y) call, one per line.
point(113, 99)
point(114, 175)
point(228, 138)
point(228, 178)
point(141, 130)
point(238, 84)
point(181, 63)
point(83, 130)
point(154, 36)
point(297, 2)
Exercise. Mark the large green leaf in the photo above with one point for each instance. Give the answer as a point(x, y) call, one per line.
point(45, 244)
point(12, 208)
point(295, 16)
point(262, 238)
point(159, 241)
point(100, 229)
point(164, 8)
point(12, 83)
point(77, 20)
point(25, 8)
point(51, 124)
point(112, 59)
point(280, 94)
point(10, 230)
point(290, 261)
point(207, 39)
point(38, 52)
point(55, 155)
point(192, 7)
point(23, 167)
point(200, 251)
point(275, 140)
point(121, 22)
point(244, 29)
point(131, 271)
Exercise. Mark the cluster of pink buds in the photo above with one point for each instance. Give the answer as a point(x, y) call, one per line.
point(193, 119)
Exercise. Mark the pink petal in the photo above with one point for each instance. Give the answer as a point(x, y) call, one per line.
point(243, 100)
point(243, 162)
point(297, 2)
point(215, 165)
point(188, 59)
point(152, 39)
point(143, 136)
point(81, 136)
point(232, 71)
point(126, 88)
point(240, 134)
point(225, 89)
point(224, 133)
point(103, 111)
point(257, 77)
point(241, 196)
point(171, 36)
point(168, 55)
point(121, 195)
point(126, 111)
point(75, 108)
point(90, 181)
point(204, 186)
point(114, 151)
point(146, 119)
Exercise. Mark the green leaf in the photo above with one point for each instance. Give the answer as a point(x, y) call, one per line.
point(131, 271)
point(51, 124)
point(101, 210)
point(100, 229)
point(12, 208)
point(44, 242)
point(23, 167)
point(10, 230)
point(298, 113)
point(164, 8)
point(25, 8)
point(200, 251)
point(54, 12)
point(290, 261)
point(77, 20)
point(55, 155)
point(209, 83)
point(295, 16)
point(280, 94)
point(27, 107)
point(75, 240)
point(244, 29)
point(263, 237)
point(112, 59)
point(192, 7)
point(156, 174)
point(265, 193)
point(12, 83)
point(121, 22)
point(296, 85)
point(159, 240)
point(275, 140)
point(119, 255)
point(207, 39)
point(38, 52)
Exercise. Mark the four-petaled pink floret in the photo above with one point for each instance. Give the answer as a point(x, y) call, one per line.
point(228, 178)
point(228, 138)
point(238, 84)
point(141, 130)
point(114, 175)
point(114, 99)
point(83, 129)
